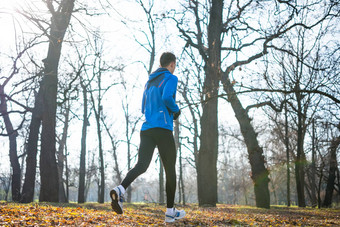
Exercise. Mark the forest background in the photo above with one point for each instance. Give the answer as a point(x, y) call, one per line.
point(258, 89)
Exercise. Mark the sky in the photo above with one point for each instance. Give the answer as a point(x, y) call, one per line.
point(119, 46)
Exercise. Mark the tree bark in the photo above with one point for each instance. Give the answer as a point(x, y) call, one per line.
point(208, 152)
point(255, 152)
point(13, 155)
point(331, 173)
point(82, 165)
point(32, 149)
point(300, 155)
point(49, 190)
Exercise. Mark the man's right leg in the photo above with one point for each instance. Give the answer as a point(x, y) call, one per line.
point(167, 151)
point(146, 149)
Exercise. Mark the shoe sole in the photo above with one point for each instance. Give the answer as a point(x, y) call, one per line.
point(114, 204)
point(170, 221)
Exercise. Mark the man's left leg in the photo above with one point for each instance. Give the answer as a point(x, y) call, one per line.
point(146, 149)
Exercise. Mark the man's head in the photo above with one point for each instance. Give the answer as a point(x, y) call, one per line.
point(168, 60)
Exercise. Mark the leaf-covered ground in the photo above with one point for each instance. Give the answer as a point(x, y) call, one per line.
point(42, 214)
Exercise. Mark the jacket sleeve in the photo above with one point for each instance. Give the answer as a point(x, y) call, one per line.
point(169, 94)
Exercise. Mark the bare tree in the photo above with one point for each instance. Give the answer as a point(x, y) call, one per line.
point(61, 15)
point(61, 154)
point(97, 92)
point(333, 163)
point(232, 36)
point(12, 134)
point(114, 144)
point(130, 127)
point(6, 185)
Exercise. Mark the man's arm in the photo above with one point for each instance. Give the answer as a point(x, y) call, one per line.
point(169, 93)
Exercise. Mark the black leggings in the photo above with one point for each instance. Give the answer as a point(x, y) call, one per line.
point(164, 140)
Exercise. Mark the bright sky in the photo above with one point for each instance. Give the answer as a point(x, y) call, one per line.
point(119, 45)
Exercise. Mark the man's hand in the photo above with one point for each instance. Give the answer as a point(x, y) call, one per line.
point(176, 115)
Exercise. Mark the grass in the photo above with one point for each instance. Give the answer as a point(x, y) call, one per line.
point(146, 214)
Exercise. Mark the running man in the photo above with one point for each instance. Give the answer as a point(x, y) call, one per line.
point(160, 109)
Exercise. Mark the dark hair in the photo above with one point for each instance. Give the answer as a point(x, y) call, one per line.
point(167, 58)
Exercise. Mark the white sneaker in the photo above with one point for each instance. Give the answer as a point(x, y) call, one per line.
point(177, 214)
point(117, 200)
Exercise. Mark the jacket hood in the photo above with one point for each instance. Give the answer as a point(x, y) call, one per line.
point(158, 72)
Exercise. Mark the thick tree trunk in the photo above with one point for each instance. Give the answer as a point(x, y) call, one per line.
point(13, 155)
point(61, 157)
point(32, 149)
point(49, 190)
point(48, 165)
point(300, 156)
point(255, 152)
point(332, 171)
point(82, 165)
point(207, 155)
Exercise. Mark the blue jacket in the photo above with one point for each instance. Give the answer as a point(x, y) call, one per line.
point(159, 100)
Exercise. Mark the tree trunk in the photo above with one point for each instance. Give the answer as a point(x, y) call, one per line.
point(114, 153)
point(161, 182)
point(101, 154)
point(195, 136)
point(180, 180)
point(127, 124)
point(313, 169)
point(82, 165)
point(49, 190)
point(67, 177)
point(102, 169)
point(332, 171)
point(32, 149)
point(207, 155)
point(7, 186)
point(300, 156)
point(287, 149)
point(13, 155)
point(255, 152)
point(61, 157)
